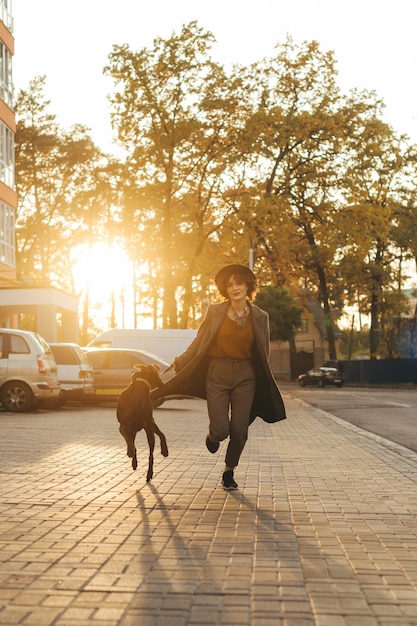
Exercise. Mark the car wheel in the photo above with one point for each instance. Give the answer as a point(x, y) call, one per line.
point(17, 397)
point(302, 383)
point(320, 383)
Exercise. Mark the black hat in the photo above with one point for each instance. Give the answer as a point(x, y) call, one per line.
point(229, 270)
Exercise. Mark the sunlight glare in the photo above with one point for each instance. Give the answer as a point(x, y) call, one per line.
point(102, 269)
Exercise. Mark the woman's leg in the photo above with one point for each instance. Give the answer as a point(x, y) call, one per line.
point(241, 398)
point(218, 389)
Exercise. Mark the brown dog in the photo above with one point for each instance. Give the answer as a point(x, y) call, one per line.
point(135, 411)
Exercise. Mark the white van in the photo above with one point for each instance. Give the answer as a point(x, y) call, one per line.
point(166, 343)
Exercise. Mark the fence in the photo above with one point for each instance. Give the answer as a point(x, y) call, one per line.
point(380, 371)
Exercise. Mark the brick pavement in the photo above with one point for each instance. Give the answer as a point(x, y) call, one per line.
point(323, 530)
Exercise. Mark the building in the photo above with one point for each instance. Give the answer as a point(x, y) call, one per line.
point(8, 196)
point(48, 311)
point(311, 346)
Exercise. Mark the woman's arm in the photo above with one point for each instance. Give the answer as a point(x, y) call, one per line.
point(189, 353)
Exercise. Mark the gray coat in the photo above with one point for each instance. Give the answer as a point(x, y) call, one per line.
point(191, 366)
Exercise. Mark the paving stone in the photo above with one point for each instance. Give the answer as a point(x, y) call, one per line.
point(322, 531)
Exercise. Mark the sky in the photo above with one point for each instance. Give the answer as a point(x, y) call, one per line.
point(69, 42)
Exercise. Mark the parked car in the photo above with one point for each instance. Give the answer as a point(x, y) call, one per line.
point(75, 373)
point(113, 367)
point(322, 376)
point(28, 372)
point(165, 342)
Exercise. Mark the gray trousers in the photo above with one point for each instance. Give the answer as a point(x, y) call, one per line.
point(230, 389)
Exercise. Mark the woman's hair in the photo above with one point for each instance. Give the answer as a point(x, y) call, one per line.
point(240, 277)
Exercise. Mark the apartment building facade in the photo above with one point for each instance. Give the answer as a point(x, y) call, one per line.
point(50, 312)
point(8, 196)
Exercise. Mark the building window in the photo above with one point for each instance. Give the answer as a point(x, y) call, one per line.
point(6, 155)
point(303, 326)
point(6, 82)
point(7, 235)
point(6, 14)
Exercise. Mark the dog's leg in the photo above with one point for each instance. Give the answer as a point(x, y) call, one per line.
point(129, 437)
point(164, 446)
point(151, 441)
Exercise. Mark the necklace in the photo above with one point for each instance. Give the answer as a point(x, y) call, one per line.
point(241, 320)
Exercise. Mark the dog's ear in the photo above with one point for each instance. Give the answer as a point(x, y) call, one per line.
point(137, 372)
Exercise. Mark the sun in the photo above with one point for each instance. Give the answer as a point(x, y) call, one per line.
point(103, 275)
point(101, 268)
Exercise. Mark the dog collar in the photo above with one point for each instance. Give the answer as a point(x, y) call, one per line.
point(142, 380)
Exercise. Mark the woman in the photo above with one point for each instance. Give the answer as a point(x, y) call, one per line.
point(227, 363)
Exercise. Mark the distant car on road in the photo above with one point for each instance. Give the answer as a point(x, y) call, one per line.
point(113, 367)
point(28, 372)
point(75, 373)
point(322, 376)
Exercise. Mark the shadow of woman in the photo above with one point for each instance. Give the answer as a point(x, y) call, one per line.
point(193, 558)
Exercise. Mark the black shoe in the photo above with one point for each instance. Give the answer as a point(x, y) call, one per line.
point(212, 446)
point(228, 481)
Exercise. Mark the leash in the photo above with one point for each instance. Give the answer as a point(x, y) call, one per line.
point(167, 369)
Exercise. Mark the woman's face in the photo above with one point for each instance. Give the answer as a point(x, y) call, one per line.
point(236, 288)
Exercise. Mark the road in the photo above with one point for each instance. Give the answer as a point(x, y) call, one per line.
point(389, 413)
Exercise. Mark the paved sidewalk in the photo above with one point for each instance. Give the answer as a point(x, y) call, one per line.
point(323, 529)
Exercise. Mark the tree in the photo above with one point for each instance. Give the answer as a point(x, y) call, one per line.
point(284, 316)
point(312, 150)
point(406, 191)
point(284, 312)
point(270, 157)
point(58, 188)
point(374, 212)
point(296, 134)
point(176, 114)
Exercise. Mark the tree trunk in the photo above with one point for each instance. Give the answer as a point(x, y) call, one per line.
point(327, 315)
point(374, 333)
point(293, 357)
